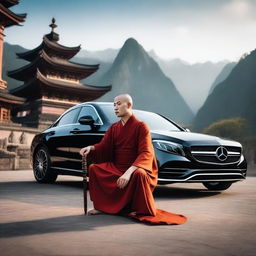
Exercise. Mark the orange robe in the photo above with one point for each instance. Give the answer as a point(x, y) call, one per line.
point(122, 147)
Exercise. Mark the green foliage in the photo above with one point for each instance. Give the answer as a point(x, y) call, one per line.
point(234, 128)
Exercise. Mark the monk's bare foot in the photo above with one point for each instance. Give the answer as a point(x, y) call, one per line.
point(132, 214)
point(94, 212)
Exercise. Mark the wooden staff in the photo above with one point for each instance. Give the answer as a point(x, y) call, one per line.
point(84, 168)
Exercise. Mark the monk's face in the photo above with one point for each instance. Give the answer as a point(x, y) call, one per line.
point(122, 106)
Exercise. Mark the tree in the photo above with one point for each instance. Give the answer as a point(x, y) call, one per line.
point(234, 128)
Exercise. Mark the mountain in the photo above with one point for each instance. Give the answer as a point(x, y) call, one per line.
point(223, 75)
point(11, 62)
point(106, 56)
point(135, 72)
point(233, 97)
point(193, 81)
point(103, 68)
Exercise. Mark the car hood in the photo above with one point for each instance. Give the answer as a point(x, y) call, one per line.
point(191, 138)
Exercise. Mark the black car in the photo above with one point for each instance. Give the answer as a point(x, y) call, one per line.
point(182, 156)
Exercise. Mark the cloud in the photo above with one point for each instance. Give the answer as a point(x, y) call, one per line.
point(238, 9)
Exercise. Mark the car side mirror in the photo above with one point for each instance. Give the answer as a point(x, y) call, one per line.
point(86, 120)
point(187, 130)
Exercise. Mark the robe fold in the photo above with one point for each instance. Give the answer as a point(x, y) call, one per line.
point(121, 147)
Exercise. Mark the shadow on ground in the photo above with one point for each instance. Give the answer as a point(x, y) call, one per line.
point(70, 194)
point(31, 188)
point(61, 224)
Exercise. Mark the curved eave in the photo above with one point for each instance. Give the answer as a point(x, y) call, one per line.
point(61, 50)
point(6, 97)
point(25, 72)
point(9, 3)
point(80, 71)
point(30, 55)
point(35, 87)
point(53, 64)
point(49, 46)
point(10, 18)
point(68, 64)
point(70, 85)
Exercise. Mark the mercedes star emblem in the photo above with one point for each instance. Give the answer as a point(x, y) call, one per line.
point(222, 153)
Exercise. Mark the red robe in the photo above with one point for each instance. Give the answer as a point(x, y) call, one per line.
point(122, 147)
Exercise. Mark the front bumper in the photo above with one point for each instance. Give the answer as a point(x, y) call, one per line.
point(170, 175)
point(181, 169)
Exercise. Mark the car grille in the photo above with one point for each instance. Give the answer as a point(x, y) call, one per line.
point(216, 154)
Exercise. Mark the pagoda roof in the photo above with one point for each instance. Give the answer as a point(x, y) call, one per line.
point(6, 97)
point(41, 84)
point(9, 18)
point(56, 65)
point(51, 47)
point(9, 3)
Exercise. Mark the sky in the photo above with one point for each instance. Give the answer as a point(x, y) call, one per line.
point(192, 30)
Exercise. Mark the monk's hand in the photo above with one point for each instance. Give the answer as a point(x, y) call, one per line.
point(85, 151)
point(123, 180)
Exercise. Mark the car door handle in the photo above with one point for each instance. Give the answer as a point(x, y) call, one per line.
point(51, 133)
point(76, 130)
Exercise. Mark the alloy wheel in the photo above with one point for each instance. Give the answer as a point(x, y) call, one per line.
point(40, 164)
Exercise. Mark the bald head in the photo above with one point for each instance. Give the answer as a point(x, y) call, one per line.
point(123, 105)
point(124, 98)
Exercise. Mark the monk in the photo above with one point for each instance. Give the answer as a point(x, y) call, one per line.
point(125, 175)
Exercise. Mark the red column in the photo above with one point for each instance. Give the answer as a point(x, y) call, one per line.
point(2, 82)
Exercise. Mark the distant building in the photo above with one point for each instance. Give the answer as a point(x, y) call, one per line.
point(51, 82)
point(7, 19)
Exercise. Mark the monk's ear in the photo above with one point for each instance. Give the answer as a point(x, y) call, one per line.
point(129, 104)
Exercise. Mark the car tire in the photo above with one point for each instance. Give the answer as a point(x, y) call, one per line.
point(42, 166)
point(218, 185)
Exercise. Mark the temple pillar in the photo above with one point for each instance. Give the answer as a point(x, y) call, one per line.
point(3, 84)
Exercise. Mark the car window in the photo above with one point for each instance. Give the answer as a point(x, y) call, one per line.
point(153, 120)
point(90, 111)
point(69, 117)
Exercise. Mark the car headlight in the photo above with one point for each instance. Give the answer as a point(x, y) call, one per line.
point(170, 147)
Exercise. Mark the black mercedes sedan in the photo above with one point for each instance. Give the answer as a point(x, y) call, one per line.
point(182, 156)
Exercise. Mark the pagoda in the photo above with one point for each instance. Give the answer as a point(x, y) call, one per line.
point(51, 82)
point(7, 19)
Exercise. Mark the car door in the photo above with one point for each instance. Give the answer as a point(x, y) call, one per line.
point(58, 139)
point(84, 135)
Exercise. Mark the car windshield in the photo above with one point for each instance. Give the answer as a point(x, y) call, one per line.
point(153, 120)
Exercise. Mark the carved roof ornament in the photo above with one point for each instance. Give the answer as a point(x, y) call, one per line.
point(53, 36)
point(53, 25)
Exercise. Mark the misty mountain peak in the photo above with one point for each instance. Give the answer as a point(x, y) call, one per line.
point(132, 52)
point(131, 42)
point(138, 74)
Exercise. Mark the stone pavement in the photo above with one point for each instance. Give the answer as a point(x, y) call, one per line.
point(47, 219)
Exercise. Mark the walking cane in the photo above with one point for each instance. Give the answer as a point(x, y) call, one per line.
point(84, 168)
